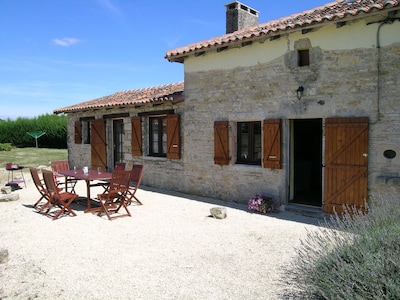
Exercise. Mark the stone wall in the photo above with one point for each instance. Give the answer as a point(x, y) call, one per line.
point(158, 172)
point(338, 83)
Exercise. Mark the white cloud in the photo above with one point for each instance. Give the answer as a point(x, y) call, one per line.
point(65, 42)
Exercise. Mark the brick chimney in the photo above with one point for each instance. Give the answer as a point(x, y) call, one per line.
point(240, 16)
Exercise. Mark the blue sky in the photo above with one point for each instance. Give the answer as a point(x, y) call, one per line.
point(55, 53)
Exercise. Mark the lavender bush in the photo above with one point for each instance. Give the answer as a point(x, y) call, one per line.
point(352, 256)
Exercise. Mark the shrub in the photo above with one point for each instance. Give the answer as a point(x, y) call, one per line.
point(354, 256)
point(5, 147)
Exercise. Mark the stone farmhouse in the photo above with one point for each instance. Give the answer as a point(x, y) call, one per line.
point(304, 108)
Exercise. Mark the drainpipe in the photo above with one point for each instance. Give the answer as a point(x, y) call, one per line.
point(389, 20)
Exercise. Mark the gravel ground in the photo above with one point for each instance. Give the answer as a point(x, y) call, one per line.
point(169, 249)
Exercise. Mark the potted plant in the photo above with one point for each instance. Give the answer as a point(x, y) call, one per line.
point(262, 203)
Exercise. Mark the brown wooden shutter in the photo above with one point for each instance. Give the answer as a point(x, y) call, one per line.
point(272, 144)
point(173, 137)
point(136, 141)
point(346, 161)
point(98, 144)
point(78, 132)
point(221, 143)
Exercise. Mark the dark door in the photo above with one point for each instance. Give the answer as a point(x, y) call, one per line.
point(307, 160)
point(118, 133)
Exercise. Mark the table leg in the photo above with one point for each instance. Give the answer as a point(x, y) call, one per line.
point(66, 183)
point(88, 194)
point(89, 205)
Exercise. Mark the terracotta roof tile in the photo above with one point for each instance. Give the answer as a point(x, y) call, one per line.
point(166, 93)
point(334, 11)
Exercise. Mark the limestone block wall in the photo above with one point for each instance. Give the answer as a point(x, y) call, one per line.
point(384, 173)
point(159, 172)
point(338, 83)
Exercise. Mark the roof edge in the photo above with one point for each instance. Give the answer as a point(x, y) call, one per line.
point(172, 92)
point(329, 13)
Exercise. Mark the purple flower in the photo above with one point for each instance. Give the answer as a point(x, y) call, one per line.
point(262, 203)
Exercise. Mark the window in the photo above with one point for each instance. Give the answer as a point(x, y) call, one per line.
point(304, 58)
point(249, 143)
point(82, 130)
point(163, 135)
point(86, 131)
point(249, 150)
point(158, 136)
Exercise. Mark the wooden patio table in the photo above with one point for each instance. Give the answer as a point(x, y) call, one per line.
point(88, 177)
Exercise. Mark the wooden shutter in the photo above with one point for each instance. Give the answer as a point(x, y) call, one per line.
point(346, 160)
point(221, 143)
point(98, 144)
point(136, 141)
point(173, 137)
point(272, 144)
point(78, 132)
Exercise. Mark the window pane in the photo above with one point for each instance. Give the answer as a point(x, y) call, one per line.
point(155, 146)
point(244, 139)
point(164, 135)
point(154, 135)
point(257, 140)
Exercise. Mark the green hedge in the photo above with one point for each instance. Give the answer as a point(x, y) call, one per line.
point(14, 132)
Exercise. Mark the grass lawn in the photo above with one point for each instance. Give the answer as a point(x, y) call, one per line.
point(30, 157)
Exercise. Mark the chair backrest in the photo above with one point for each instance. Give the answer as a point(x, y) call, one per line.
point(36, 178)
point(59, 165)
point(120, 166)
point(136, 175)
point(51, 186)
point(119, 181)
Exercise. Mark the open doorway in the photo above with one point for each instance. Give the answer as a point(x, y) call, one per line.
point(306, 162)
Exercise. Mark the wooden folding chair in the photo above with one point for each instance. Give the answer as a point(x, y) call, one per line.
point(62, 165)
point(134, 183)
point(39, 183)
point(114, 198)
point(119, 166)
point(58, 199)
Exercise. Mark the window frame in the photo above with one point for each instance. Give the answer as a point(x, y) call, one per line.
point(251, 143)
point(162, 132)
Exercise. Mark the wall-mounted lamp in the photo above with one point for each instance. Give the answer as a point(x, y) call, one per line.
point(299, 92)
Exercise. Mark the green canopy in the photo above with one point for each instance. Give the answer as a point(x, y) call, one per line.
point(36, 135)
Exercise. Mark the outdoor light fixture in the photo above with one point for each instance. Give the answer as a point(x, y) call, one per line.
point(299, 92)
